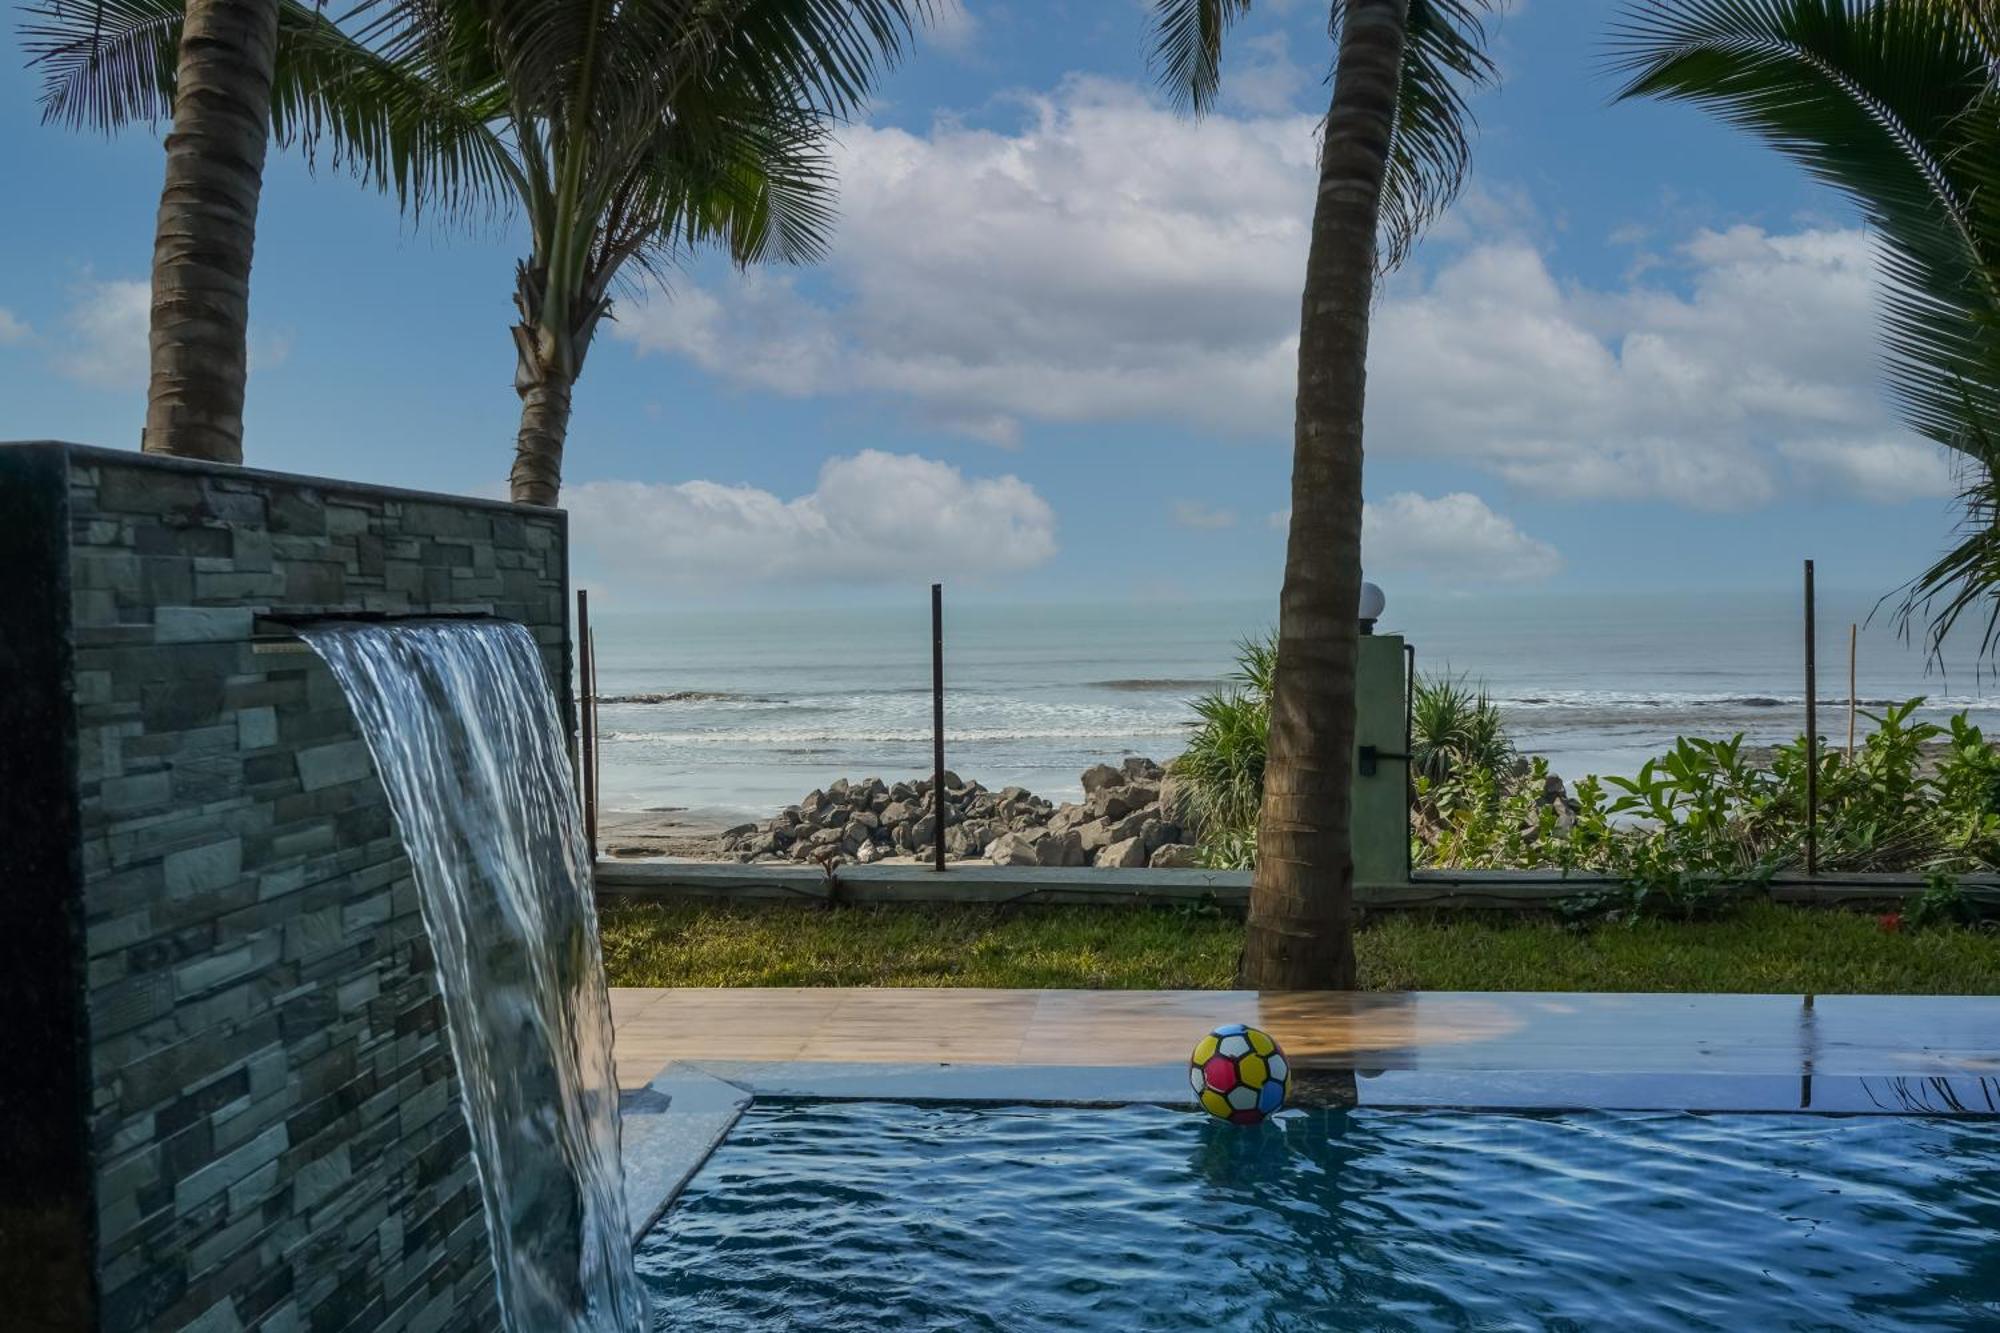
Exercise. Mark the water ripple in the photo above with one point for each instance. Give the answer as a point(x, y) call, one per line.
point(894, 1217)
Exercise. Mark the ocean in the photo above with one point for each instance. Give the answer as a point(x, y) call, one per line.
point(745, 711)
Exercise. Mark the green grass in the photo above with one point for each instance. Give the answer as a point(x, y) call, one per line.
point(1762, 948)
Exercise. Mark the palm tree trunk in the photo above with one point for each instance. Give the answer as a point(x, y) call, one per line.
point(207, 229)
point(1301, 898)
point(538, 447)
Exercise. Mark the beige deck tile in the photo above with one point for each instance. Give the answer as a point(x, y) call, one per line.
point(1760, 1034)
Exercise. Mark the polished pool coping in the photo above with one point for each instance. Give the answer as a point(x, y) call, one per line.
point(707, 1055)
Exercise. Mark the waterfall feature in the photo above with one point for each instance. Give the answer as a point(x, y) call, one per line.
point(463, 727)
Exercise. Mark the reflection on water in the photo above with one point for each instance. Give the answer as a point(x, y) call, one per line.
point(882, 1216)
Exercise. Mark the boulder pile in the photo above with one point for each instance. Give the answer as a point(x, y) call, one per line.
point(1128, 818)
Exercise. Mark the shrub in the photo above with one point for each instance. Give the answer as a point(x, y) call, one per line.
point(1221, 774)
point(1456, 729)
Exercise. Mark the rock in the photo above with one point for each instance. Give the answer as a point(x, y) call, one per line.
point(898, 812)
point(1110, 803)
point(856, 835)
point(1142, 794)
point(1125, 855)
point(1061, 849)
point(1159, 833)
point(1173, 796)
point(969, 838)
point(837, 790)
point(1067, 818)
point(1095, 836)
point(867, 819)
point(1141, 770)
point(869, 853)
point(825, 837)
point(1099, 776)
point(1013, 849)
point(1131, 825)
point(1173, 856)
point(739, 830)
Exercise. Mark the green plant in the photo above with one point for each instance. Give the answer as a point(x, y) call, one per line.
point(1456, 728)
point(1221, 773)
point(1688, 831)
point(1942, 903)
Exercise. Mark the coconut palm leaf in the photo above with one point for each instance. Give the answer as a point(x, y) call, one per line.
point(1892, 102)
point(109, 63)
point(1444, 60)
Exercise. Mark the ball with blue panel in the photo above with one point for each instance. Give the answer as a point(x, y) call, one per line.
point(1239, 1074)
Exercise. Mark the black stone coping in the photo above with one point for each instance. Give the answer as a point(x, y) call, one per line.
point(98, 454)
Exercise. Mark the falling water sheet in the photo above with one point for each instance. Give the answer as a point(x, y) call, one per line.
point(462, 724)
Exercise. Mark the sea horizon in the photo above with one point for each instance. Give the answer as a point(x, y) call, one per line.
point(735, 713)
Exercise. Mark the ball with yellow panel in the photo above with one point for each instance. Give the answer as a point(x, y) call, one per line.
point(1239, 1074)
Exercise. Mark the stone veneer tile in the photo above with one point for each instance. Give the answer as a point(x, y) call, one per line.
point(272, 1097)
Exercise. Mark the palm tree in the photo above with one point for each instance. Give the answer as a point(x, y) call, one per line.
point(628, 135)
point(1896, 103)
point(1394, 154)
point(217, 88)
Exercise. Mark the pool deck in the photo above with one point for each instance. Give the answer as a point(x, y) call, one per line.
point(1869, 1035)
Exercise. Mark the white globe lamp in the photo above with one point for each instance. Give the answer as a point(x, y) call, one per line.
point(1373, 603)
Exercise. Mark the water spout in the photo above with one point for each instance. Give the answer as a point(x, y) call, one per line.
point(462, 724)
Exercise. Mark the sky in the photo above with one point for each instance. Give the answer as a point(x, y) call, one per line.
point(1052, 352)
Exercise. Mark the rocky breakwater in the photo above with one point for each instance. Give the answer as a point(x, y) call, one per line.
point(1128, 819)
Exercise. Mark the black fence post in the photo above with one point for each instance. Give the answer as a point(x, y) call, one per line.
point(586, 715)
point(937, 723)
point(1812, 731)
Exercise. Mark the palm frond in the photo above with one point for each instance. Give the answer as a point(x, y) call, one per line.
point(1444, 61)
point(1888, 103)
point(1186, 59)
point(104, 63)
point(1893, 103)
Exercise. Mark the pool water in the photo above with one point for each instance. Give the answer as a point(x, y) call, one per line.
point(894, 1218)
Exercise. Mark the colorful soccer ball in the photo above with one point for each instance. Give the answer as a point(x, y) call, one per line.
point(1239, 1074)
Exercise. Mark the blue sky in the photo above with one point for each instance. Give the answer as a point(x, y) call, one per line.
point(1049, 355)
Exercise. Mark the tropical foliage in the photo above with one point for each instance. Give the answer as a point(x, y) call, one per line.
point(1706, 817)
point(1456, 728)
point(1896, 103)
point(627, 135)
point(1220, 776)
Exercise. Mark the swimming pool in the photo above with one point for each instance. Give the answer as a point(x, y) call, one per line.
point(894, 1217)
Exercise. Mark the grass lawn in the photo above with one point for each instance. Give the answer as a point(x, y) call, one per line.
point(1762, 948)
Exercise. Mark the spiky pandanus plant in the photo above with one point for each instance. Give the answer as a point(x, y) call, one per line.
point(1393, 155)
point(1895, 103)
point(628, 134)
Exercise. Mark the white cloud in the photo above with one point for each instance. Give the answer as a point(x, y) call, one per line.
point(873, 517)
point(107, 325)
point(1454, 539)
point(1883, 469)
point(953, 28)
point(13, 329)
point(1451, 539)
point(1194, 514)
point(1108, 260)
point(109, 322)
